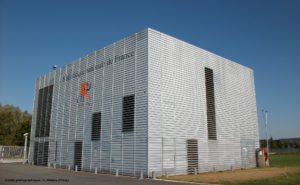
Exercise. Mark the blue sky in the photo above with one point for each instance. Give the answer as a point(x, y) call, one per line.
point(263, 35)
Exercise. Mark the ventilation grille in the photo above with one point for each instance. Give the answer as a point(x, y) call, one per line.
point(192, 155)
point(48, 111)
point(45, 153)
point(55, 157)
point(96, 126)
point(44, 112)
point(36, 151)
point(78, 155)
point(210, 103)
point(128, 113)
point(40, 156)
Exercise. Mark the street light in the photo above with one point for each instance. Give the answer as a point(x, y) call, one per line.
point(25, 148)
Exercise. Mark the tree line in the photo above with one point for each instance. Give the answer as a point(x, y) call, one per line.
point(13, 124)
point(280, 143)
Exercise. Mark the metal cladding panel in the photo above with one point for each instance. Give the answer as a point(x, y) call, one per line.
point(116, 128)
point(97, 106)
point(53, 123)
point(41, 83)
point(97, 83)
point(33, 122)
point(177, 108)
point(141, 104)
point(65, 117)
point(60, 116)
point(107, 111)
point(72, 121)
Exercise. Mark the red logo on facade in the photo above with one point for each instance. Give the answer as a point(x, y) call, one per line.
point(84, 94)
point(85, 88)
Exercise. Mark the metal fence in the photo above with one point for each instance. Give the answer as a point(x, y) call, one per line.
point(11, 152)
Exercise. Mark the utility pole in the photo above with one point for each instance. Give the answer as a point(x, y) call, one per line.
point(25, 148)
point(265, 118)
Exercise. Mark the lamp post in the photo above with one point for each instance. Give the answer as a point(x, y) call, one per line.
point(25, 148)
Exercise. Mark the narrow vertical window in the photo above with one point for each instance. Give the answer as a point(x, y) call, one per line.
point(96, 126)
point(210, 104)
point(128, 113)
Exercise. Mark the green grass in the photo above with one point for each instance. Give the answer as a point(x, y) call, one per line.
point(285, 159)
point(277, 160)
point(288, 179)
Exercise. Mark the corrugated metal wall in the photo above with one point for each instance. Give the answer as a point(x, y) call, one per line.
point(177, 108)
point(111, 79)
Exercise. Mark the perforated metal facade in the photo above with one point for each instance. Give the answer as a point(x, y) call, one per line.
point(161, 80)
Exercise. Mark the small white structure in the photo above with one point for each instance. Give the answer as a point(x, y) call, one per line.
point(147, 104)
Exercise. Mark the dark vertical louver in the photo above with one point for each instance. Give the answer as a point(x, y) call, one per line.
point(44, 112)
point(40, 155)
point(192, 155)
point(39, 113)
point(210, 104)
point(96, 126)
point(78, 155)
point(45, 153)
point(128, 113)
point(35, 153)
point(48, 110)
point(55, 151)
point(43, 115)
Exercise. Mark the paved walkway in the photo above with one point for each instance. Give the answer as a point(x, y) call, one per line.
point(17, 173)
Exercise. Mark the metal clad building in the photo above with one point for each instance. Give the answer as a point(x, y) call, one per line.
point(149, 102)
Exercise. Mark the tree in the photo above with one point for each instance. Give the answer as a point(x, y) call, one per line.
point(273, 144)
point(297, 144)
point(280, 144)
point(291, 144)
point(13, 123)
point(263, 144)
point(285, 144)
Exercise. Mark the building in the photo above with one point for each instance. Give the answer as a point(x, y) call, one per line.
point(149, 102)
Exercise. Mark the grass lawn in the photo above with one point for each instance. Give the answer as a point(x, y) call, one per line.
point(285, 169)
point(285, 159)
point(286, 179)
